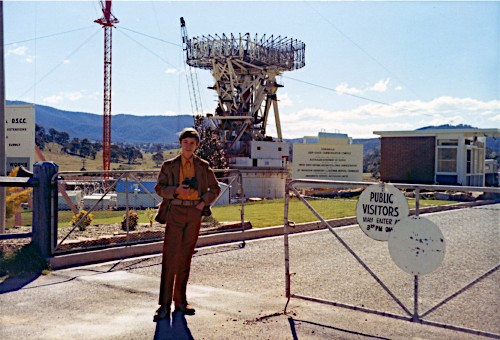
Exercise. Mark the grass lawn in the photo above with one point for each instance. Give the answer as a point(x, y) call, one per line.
point(270, 213)
point(260, 214)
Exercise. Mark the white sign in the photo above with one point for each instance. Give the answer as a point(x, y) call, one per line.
point(417, 245)
point(379, 208)
point(19, 136)
point(328, 162)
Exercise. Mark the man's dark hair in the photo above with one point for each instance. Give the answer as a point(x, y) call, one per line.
point(189, 133)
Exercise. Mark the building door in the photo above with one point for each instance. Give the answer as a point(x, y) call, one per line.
point(475, 164)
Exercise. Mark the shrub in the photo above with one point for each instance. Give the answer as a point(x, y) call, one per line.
point(85, 223)
point(15, 196)
point(150, 214)
point(133, 220)
point(24, 260)
point(210, 221)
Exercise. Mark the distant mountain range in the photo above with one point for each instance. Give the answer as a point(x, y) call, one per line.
point(133, 129)
point(125, 128)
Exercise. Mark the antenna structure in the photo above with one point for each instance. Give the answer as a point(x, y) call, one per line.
point(245, 70)
point(107, 21)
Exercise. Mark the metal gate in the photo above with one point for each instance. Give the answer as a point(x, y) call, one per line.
point(299, 188)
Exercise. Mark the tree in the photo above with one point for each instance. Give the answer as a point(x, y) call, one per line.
point(157, 158)
point(210, 148)
point(132, 153)
point(61, 138)
point(85, 148)
point(97, 146)
point(74, 145)
point(371, 162)
point(116, 153)
point(40, 136)
point(491, 154)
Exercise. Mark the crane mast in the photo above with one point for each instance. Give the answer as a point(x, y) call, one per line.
point(191, 75)
point(107, 21)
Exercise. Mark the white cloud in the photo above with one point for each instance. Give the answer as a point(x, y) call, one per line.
point(20, 51)
point(55, 99)
point(17, 50)
point(380, 86)
point(74, 95)
point(344, 88)
point(285, 100)
point(172, 70)
point(361, 121)
point(398, 88)
point(64, 96)
point(170, 113)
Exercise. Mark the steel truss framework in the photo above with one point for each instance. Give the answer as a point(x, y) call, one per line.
point(245, 72)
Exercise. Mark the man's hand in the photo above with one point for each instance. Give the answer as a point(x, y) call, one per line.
point(200, 205)
point(182, 190)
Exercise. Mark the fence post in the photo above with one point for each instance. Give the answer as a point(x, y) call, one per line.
point(43, 238)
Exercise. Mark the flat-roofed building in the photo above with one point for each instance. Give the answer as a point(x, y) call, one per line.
point(435, 156)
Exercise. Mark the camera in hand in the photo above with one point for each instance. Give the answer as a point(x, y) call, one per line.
point(190, 183)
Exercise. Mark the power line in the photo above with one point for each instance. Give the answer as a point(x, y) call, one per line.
point(352, 95)
point(151, 37)
point(361, 48)
point(60, 63)
point(48, 36)
point(334, 90)
point(147, 49)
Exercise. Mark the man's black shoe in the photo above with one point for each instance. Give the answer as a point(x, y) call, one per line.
point(161, 313)
point(187, 309)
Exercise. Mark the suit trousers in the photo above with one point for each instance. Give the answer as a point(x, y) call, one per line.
point(181, 235)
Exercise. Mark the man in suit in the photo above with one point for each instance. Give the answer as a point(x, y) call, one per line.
point(188, 186)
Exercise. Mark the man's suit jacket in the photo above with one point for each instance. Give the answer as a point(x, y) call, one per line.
point(168, 180)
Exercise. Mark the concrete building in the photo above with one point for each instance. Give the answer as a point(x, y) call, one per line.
point(264, 171)
point(441, 156)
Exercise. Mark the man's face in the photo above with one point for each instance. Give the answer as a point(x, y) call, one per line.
point(188, 146)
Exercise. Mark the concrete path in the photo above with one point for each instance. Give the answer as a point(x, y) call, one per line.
point(239, 293)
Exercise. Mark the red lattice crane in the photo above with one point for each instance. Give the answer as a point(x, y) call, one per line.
point(107, 21)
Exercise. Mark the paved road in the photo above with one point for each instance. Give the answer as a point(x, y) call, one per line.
point(240, 292)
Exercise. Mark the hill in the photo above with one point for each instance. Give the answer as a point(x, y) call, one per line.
point(136, 130)
point(125, 128)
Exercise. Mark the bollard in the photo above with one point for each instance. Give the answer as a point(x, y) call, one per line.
point(44, 210)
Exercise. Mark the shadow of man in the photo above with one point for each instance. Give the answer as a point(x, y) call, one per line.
point(179, 329)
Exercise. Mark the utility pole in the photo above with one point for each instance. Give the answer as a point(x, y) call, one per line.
point(3, 191)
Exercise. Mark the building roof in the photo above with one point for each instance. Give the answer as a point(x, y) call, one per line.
point(435, 132)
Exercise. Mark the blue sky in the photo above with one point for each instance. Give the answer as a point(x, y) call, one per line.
point(369, 65)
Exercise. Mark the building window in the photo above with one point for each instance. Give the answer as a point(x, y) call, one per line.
point(448, 142)
point(447, 159)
